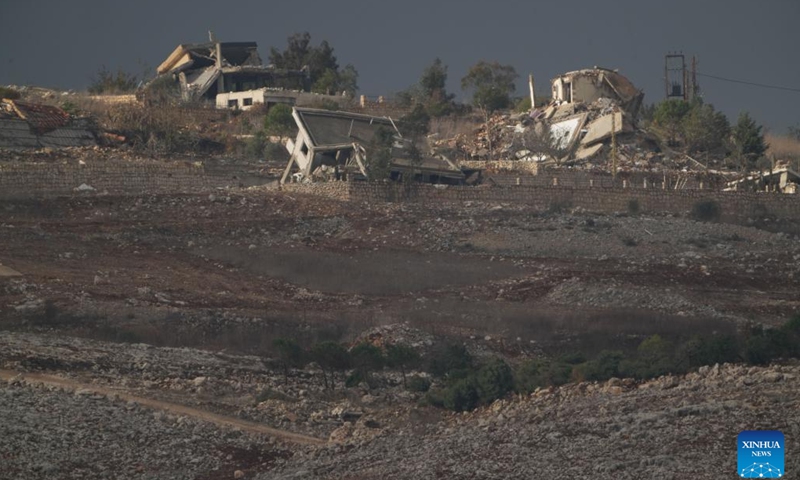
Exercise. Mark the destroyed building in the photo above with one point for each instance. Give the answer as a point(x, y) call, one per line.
point(206, 70)
point(782, 179)
point(589, 85)
point(332, 145)
point(25, 125)
point(593, 112)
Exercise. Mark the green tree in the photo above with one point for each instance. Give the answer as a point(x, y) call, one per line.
point(379, 155)
point(402, 357)
point(433, 92)
point(279, 121)
point(668, 119)
point(748, 141)
point(366, 358)
point(491, 85)
point(322, 65)
point(331, 357)
point(705, 129)
point(290, 354)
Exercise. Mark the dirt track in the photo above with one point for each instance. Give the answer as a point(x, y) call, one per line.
point(219, 420)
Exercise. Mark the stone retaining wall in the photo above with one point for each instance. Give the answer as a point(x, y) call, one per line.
point(734, 205)
point(31, 180)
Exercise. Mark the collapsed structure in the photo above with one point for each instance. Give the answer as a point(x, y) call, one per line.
point(206, 70)
point(26, 125)
point(782, 179)
point(590, 109)
point(332, 145)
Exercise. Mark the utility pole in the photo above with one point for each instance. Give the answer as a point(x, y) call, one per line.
point(533, 95)
point(614, 144)
point(695, 85)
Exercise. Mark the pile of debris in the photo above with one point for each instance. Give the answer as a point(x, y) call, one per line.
point(334, 145)
point(593, 113)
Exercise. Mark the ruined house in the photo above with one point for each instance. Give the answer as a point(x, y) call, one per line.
point(25, 125)
point(332, 145)
point(589, 85)
point(206, 70)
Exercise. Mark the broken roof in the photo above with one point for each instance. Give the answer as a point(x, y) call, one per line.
point(330, 129)
point(200, 55)
point(41, 118)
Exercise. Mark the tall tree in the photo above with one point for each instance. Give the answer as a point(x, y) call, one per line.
point(748, 141)
point(491, 84)
point(433, 91)
point(322, 65)
point(705, 129)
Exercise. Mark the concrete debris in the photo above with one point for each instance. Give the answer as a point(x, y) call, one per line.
point(333, 146)
point(589, 107)
point(782, 179)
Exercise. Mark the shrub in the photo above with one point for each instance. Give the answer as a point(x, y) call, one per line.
point(534, 374)
point(698, 351)
point(633, 206)
point(417, 383)
point(655, 356)
point(279, 121)
point(449, 360)
point(494, 380)
point(706, 211)
point(605, 366)
point(461, 396)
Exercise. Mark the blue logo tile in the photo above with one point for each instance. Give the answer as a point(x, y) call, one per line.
point(761, 454)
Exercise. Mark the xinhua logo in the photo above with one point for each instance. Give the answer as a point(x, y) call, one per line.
point(761, 454)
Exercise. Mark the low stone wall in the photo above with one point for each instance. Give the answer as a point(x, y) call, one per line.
point(526, 168)
point(734, 205)
point(32, 180)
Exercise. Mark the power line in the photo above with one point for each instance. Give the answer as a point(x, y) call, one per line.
point(762, 85)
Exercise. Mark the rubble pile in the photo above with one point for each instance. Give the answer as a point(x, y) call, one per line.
point(593, 113)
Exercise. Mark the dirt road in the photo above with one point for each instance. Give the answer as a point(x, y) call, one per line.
point(220, 420)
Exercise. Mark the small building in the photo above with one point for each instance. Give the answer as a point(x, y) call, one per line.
point(247, 99)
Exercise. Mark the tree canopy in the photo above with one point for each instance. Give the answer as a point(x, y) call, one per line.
point(322, 65)
point(748, 140)
point(491, 85)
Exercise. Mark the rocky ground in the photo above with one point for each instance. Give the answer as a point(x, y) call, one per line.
point(177, 299)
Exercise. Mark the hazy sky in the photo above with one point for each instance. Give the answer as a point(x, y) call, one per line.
point(62, 43)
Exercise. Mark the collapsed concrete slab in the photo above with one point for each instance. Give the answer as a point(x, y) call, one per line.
point(782, 179)
point(333, 145)
point(603, 128)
